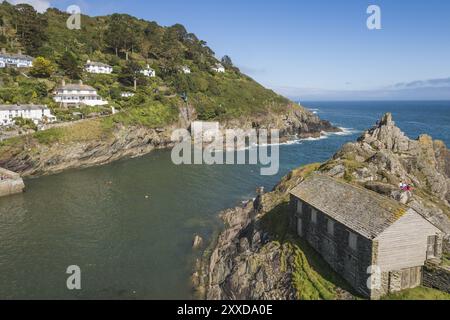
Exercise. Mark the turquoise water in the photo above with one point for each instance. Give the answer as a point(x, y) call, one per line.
point(129, 225)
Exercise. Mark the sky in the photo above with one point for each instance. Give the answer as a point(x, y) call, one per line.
point(313, 50)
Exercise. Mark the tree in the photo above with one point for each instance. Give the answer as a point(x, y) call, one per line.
point(226, 62)
point(42, 68)
point(70, 64)
point(131, 75)
point(31, 28)
point(123, 34)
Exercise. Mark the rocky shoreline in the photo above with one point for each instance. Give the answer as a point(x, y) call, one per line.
point(36, 159)
point(258, 256)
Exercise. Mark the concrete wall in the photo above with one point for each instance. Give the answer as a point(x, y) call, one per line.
point(12, 184)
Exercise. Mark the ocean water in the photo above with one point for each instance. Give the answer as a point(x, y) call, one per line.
point(129, 225)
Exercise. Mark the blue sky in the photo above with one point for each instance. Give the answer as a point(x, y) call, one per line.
point(314, 49)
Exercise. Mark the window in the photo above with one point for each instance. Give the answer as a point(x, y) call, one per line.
point(352, 241)
point(330, 227)
point(299, 207)
point(313, 215)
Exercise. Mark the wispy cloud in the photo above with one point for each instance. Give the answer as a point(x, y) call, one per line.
point(38, 5)
point(432, 89)
point(441, 82)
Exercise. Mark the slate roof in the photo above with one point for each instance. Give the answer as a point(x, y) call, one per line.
point(77, 87)
point(363, 211)
point(97, 64)
point(16, 56)
point(22, 107)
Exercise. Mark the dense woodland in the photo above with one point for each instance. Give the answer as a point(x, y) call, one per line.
point(128, 44)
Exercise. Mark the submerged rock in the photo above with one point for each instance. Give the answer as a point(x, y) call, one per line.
point(198, 242)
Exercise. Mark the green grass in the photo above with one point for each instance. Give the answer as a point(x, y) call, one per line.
point(152, 115)
point(313, 278)
point(420, 293)
point(89, 130)
point(446, 259)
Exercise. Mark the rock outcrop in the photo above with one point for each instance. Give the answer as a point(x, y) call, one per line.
point(257, 256)
point(36, 159)
point(10, 183)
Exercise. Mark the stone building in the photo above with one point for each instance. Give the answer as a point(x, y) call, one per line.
point(18, 60)
point(376, 244)
point(76, 95)
point(98, 67)
point(36, 113)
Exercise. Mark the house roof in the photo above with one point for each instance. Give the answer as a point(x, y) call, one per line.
point(18, 107)
point(16, 56)
point(97, 64)
point(363, 211)
point(77, 87)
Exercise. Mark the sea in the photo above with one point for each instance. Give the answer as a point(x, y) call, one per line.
point(129, 226)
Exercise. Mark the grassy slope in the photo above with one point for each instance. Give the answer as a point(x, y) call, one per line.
point(215, 96)
point(419, 293)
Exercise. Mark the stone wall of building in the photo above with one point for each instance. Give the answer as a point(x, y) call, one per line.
point(351, 264)
point(10, 183)
point(436, 277)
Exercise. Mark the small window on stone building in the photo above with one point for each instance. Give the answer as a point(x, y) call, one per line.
point(352, 241)
point(313, 215)
point(330, 227)
point(299, 207)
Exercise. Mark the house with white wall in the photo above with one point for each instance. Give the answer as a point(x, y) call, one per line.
point(218, 67)
point(36, 113)
point(148, 72)
point(75, 95)
point(127, 94)
point(98, 67)
point(18, 60)
point(185, 69)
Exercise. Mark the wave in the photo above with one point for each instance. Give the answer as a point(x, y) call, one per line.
point(313, 110)
point(296, 141)
point(345, 132)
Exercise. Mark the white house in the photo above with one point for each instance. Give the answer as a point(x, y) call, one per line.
point(185, 69)
point(218, 68)
point(37, 113)
point(148, 72)
point(98, 67)
point(77, 94)
point(127, 94)
point(18, 60)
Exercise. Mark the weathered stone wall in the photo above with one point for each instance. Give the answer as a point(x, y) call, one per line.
point(351, 264)
point(436, 277)
point(12, 183)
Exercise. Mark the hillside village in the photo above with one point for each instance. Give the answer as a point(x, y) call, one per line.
point(114, 64)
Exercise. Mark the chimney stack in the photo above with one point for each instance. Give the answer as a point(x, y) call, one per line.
point(4, 50)
point(19, 52)
point(63, 82)
point(81, 82)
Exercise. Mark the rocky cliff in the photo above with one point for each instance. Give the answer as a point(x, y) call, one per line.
point(88, 143)
point(258, 257)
